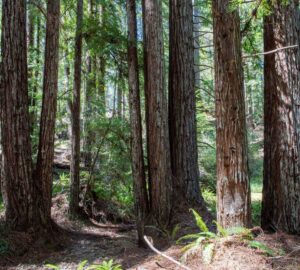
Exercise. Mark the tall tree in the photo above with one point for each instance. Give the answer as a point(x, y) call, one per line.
point(233, 187)
point(75, 115)
point(138, 168)
point(281, 191)
point(182, 103)
point(17, 165)
point(43, 173)
point(89, 95)
point(159, 164)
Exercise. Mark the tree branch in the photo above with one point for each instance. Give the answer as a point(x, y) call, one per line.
point(164, 255)
point(273, 51)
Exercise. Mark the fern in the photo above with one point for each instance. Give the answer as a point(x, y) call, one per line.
point(106, 265)
point(199, 221)
point(262, 247)
point(223, 232)
point(208, 253)
point(82, 265)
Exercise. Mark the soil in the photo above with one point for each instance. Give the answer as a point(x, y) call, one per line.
point(96, 242)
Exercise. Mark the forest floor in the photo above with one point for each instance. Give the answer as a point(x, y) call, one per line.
point(96, 242)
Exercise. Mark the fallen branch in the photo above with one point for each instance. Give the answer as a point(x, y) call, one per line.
point(164, 255)
point(270, 52)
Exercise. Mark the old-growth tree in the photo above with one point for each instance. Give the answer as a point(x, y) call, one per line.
point(75, 115)
point(233, 187)
point(137, 156)
point(281, 191)
point(43, 174)
point(17, 165)
point(159, 164)
point(182, 103)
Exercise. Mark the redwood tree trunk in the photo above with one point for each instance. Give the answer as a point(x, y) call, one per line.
point(137, 155)
point(75, 117)
point(17, 166)
point(156, 111)
point(233, 187)
point(182, 104)
point(281, 192)
point(43, 173)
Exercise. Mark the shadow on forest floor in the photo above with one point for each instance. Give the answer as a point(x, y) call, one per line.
point(97, 242)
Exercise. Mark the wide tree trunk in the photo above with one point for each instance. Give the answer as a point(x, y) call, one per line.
point(17, 166)
point(75, 116)
point(182, 104)
point(43, 173)
point(159, 164)
point(281, 191)
point(137, 155)
point(233, 187)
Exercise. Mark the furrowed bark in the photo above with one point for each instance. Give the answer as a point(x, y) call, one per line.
point(233, 187)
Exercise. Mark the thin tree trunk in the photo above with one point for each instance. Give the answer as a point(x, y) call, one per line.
point(281, 191)
point(75, 118)
point(17, 165)
point(43, 174)
point(233, 187)
point(137, 156)
point(159, 163)
point(89, 94)
point(182, 104)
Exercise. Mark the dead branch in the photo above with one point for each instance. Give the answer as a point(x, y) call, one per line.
point(270, 52)
point(164, 255)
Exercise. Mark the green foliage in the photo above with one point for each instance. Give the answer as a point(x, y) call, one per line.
point(200, 242)
point(105, 265)
point(210, 200)
point(205, 241)
point(258, 245)
point(199, 221)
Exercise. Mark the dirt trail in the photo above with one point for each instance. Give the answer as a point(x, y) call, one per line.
point(97, 242)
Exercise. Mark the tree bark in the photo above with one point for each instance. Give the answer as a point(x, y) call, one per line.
point(182, 104)
point(75, 116)
point(281, 191)
point(43, 173)
point(137, 155)
point(17, 165)
point(156, 113)
point(233, 187)
point(89, 137)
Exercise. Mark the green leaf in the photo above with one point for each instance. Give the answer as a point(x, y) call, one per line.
point(262, 247)
point(52, 266)
point(199, 221)
point(208, 253)
point(188, 237)
point(82, 265)
point(221, 230)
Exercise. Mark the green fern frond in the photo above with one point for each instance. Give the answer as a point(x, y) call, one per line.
point(52, 266)
point(175, 231)
point(258, 245)
point(188, 237)
point(208, 253)
point(199, 221)
point(82, 265)
point(220, 229)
